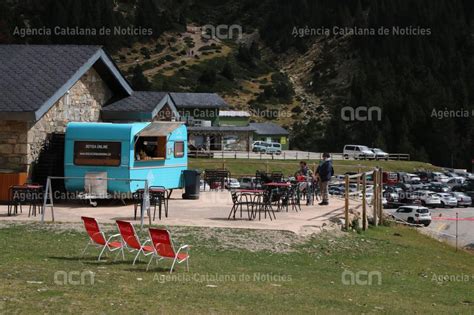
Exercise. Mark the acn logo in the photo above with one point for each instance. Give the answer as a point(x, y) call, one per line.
point(361, 113)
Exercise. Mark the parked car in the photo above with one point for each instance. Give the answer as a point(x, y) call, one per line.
point(448, 200)
point(379, 154)
point(438, 187)
point(454, 181)
point(248, 182)
point(203, 186)
point(427, 198)
point(467, 187)
point(413, 214)
point(463, 199)
point(231, 183)
point(391, 195)
point(259, 146)
point(361, 152)
point(273, 148)
point(336, 190)
point(390, 178)
point(439, 177)
point(424, 176)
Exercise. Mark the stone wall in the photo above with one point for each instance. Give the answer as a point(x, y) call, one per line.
point(13, 145)
point(82, 103)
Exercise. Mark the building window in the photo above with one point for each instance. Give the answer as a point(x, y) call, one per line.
point(150, 148)
point(97, 153)
point(178, 149)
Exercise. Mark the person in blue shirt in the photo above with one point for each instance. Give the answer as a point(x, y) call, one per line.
point(325, 171)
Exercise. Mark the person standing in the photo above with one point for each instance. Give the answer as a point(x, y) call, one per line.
point(306, 184)
point(325, 171)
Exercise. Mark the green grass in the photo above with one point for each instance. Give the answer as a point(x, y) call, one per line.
point(240, 167)
point(308, 280)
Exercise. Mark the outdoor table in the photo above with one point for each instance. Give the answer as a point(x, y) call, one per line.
point(254, 200)
point(27, 194)
point(251, 191)
point(275, 192)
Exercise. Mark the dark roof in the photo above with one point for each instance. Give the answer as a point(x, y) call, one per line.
point(139, 101)
point(34, 77)
point(268, 129)
point(198, 100)
point(222, 129)
point(141, 105)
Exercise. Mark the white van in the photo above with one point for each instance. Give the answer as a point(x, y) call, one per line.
point(355, 151)
point(266, 147)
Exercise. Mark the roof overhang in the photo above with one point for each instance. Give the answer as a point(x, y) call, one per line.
point(157, 129)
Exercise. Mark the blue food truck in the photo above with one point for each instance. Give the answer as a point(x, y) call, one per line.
point(155, 151)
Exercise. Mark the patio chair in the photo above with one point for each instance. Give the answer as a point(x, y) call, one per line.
point(292, 198)
point(263, 204)
point(239, 200)
point(97, 238)
point(131, 240)
point(159, 197)
point(163, 249)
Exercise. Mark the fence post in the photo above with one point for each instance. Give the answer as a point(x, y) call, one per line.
point(284, 155)
point(266, 167)
point(364, 201)
point(374, 201)
point(296, 155)
point(380, 177)
point(358, 178)
point(346, 204)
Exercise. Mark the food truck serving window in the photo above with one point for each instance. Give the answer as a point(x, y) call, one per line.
point(150, 148)
point(178, 149)
point(97, 153)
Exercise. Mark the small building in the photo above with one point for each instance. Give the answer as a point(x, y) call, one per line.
point(270, 132)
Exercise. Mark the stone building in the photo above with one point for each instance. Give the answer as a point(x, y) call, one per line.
point(43, 87)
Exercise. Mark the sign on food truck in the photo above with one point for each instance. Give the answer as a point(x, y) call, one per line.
point(97, 153)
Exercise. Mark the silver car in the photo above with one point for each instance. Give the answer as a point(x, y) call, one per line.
point(379, 154)
point(447, 200)
point(463, 199)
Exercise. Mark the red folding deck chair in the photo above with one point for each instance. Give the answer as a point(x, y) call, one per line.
point(97, 237)
point(163, 248)
point(131, 240)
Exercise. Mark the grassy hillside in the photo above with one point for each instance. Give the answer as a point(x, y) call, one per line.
point(244, 75)
point(239, 167)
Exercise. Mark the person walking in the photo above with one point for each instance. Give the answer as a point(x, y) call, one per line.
point(325, 171)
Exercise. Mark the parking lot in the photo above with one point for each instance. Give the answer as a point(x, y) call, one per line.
point(443, 225)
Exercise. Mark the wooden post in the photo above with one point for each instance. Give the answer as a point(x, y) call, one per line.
point(380, 177)
point(374, 201)
point(364, 206)
point(358, 178)
point(346, 205)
